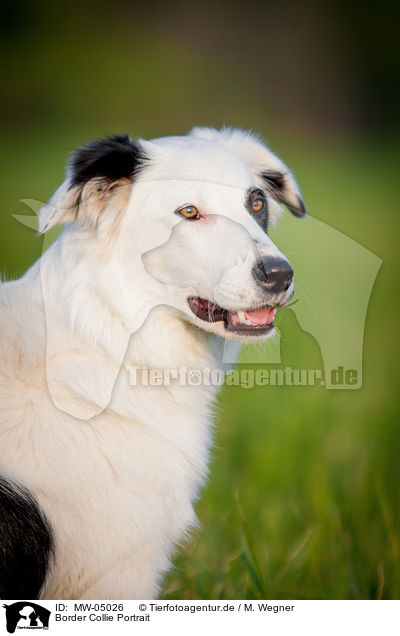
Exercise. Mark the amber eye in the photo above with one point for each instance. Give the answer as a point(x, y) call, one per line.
point(189, 212)
point(257, 204)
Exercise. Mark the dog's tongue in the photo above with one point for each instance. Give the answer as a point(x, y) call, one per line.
point(264, 316)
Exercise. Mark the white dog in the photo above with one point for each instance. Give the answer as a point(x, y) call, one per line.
point(164, 255)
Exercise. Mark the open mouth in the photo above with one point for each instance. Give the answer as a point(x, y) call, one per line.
point(250, 322)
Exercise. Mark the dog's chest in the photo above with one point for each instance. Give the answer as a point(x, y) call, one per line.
point(130, 490)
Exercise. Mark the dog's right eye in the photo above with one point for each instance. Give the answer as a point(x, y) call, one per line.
point(189, 212)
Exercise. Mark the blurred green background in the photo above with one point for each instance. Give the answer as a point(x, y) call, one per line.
point(303, 495)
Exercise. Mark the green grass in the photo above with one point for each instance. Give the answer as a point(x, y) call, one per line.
point(302, 501)
point(303, 495)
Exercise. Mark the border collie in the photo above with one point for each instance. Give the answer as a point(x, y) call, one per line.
point(165, 255)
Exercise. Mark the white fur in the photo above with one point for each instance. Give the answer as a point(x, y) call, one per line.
point(117, 468)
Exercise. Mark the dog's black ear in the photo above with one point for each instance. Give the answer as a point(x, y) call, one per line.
point(113, 158)
point(283, 187)
point(96, 172)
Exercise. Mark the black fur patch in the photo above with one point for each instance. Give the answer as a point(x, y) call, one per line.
point(113, 158)
point(275, 183)
point(262, 215)
point(26, 543)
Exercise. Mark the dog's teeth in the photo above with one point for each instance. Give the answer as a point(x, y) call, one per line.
point(243, 318)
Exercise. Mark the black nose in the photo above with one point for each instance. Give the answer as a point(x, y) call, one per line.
point(274, 274)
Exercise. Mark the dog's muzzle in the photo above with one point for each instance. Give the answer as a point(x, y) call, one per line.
point(275, 277)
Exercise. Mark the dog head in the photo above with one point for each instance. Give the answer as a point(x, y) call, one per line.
point(186, 219)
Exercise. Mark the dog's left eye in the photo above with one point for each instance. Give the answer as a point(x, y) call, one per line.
point(257, 201)
point(189, 212)
point(257, 204)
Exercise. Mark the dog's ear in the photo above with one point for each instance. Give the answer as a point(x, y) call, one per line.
point(283, 187)
point(274, 174)
point(97, 172)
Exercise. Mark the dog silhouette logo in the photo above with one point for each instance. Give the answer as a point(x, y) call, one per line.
point(26, 615)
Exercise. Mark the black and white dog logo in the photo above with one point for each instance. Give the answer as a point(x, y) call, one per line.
point(26, 615)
